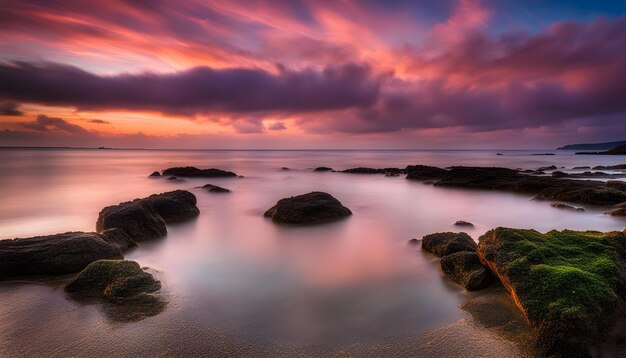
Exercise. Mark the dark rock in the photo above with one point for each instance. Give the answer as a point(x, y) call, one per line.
point(312, 208)
point(175, 179)
point(144, 219)
point(112, 279)
point(323, 169)
point(195, 172)
point(173, 206)
point(463, 223)
point(215, 189)
point(581, 168)
point(548, 188)
point(498, 153)
point(155, 175)
point(551, 167)
point(364, 170)
point(610, 167)
point(620, 210)
point(566, 206)
point(284, 168)
point(414, 241)
point(617, 185)
point(60, 253)
point(446, 243)
point(464, 268)
point(424, 172)
point(127, 292)
point(543, 154)
point(558, 174)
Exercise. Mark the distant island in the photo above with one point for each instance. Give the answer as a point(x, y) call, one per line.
point(593, 146)
point(620, 150)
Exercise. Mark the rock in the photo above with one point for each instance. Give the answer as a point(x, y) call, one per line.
point(155, 175)
point(112, 279)
point(323, 169)
point(284, 168)
point(548, 188)
point(173, 206)
point(424, 172)
point(127, 292)
point(610, 167)
point(215, 189)
point(566, 206)
point(463, 223)
point(364, 170)
point(446, 243)
point(464, 268)
point(543, 154)
point(558, 174)
point(566, 283)
point(617, 184)
point(498, 153)
point(312, 208)
point(414, 241)
point(195, 172)
point(175, 179)
point(551, 167)
point(581, 168)
point(144, 219)
point(60, 253)
point(620, 210)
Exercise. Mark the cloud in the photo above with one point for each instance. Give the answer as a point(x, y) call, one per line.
point(44, 123)
point(99, 121)
point(10, 109)
point(197, 90)
point(276, 126)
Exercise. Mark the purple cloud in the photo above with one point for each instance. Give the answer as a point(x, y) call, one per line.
point(10, 109)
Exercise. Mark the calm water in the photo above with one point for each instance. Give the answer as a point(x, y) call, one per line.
point(233, 276)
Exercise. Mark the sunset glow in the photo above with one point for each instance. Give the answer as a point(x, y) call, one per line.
point(311, 74)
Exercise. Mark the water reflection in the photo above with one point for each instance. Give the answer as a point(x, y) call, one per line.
point(233, 270)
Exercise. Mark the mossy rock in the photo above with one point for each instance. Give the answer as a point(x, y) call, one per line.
point(567, 283)
point(112, 279)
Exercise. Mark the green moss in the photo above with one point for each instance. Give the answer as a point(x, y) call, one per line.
point(567, 282)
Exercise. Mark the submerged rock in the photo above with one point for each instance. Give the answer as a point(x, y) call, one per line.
point(175, 179)
point(566, 206)
point(144, 219)
point(195, 172)
point(312, 208)
point(60, 253)
point(112, 279)
point(567, 283)
point(215, 189)
point(424, 172)
point(465, 268)
point(414, 241)
point(155, 175)
point(551, 167)
point(127, 292)
point(446, 243)
point(323, 169)
point(463, 223)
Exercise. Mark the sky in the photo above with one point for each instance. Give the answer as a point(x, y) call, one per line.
point(342, 74)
